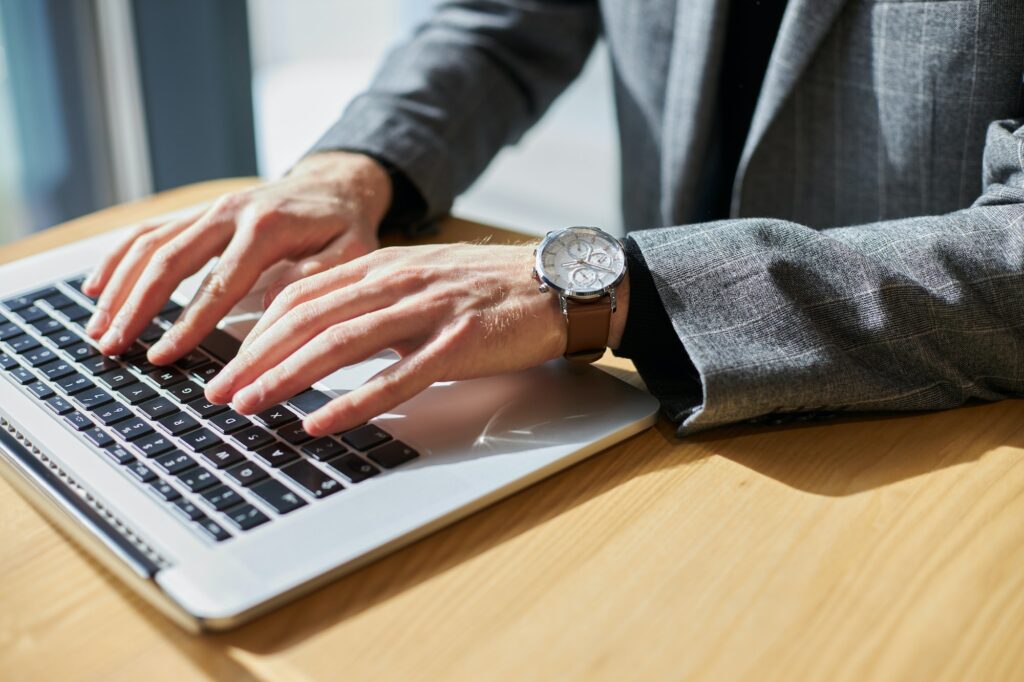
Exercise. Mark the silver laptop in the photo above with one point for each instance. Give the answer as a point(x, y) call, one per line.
point(215, 518)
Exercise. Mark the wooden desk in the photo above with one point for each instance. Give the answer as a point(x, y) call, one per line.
point(865, 549)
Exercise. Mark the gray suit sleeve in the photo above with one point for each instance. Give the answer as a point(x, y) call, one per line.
point(912, 314)
point(472, 79)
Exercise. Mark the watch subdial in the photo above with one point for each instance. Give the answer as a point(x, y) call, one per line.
point(584, 278)
point(600, 259)
point(578, 249)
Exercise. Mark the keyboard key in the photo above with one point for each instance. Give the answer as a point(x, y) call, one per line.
point(151, 333)
point(133, 429)
point(200, 439)
point(393, 454)
point(221, 345)
point(171, 313)
point(7, 362)
point(174, 463)
point(64, 339)
point(354, 468)
point(246, 516)
point(185, 391)
point(113, 413)
point(40, 390)
point(92, 398)
point(98, 437)
point(119, 454)
point(278, 496)
point(276, 416)
point(136, 351)
point(47, 325)
point(140, 471)
point(57, 369)
point(59, 406)
point(31, 313)
point(164, 490)
point(37, 357)
point(152, 444)
point(294, 433)
point(206, 373)
point(223, 456)
point(323, 449)
point(212, 529)
point(23, 376)
point(137, 393)
point(8, 330)
point(365, 437)
point(22, 344)
point(253, 438)
point(221, 497)
point(197, 479)
point(158, 407)
point(78, 421)
point(276, 455)
point(19, 302)
point(81, 351)
point(204, 408)
point(312, 479)
point(58, 300)
point(309, 401)
point(75, 312)
point(164, 377)
point(100, 364)
point(246, 473)
point(191, 360)
point(229, 422)
point(142, 365)
point(117, 378)
point(177, 424)
point(188, 510)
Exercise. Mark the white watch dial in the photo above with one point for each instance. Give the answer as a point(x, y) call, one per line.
point(581, 260)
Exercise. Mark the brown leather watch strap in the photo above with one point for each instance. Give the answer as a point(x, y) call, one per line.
point(587, 328)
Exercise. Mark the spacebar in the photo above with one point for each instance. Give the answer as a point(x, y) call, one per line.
point(221, 345)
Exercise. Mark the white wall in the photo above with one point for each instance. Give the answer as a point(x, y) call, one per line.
point(310, 57)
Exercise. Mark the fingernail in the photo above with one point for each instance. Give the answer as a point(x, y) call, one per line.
point(97, 323)
point(111, 341)
point(249, 395)
point(161, 347)
point(219, 385)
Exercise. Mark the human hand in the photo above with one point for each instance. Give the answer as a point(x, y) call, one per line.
point(325, 212)
point(451, 312)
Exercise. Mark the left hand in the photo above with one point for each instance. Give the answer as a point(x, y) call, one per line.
point(451, 312)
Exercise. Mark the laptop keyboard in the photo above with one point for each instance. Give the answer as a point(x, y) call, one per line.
point(220, 472)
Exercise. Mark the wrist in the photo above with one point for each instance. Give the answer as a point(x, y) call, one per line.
point(354, 178)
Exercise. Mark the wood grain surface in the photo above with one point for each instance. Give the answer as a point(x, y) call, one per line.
point(873, 548)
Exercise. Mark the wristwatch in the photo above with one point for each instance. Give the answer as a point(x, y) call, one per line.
point(582, 265)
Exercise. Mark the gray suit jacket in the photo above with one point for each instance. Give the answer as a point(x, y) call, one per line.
point(874, 256)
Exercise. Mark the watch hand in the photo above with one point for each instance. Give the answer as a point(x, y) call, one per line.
point(598, 267)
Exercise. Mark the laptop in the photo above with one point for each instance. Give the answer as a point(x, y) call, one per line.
point(215, 518)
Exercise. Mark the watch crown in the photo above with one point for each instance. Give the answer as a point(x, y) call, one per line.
point(543, 288)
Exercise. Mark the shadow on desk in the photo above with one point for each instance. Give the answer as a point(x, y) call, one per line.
point(838, 458)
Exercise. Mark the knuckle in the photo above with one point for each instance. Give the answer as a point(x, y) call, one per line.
point(146, 244)
point(215, 285)
point(305, 315)
point(167, 258)
point(336, 336)
point(291, 295)
point(228, 202)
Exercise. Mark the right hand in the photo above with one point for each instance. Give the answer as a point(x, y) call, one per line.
point(324, 213)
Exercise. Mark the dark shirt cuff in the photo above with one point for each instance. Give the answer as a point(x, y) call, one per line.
point(652, 343)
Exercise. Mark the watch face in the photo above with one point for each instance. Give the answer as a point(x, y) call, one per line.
point(581, 261)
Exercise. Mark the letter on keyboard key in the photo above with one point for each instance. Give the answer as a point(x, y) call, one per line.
point(158, 407)
point(200, 439)
point(322, 449)
point(277, 496)
point(152, 445)
point(174, 463)
point(177, 424)
point(246, 516)
point(312, 479)
point(229, 422)
point(223, 456)
point(40, 390)
point(140, 471)
point(212, 529)
point(246, 473)
point(275, 416)
point(59, 406)
point(118, 454)
point(98, 437)
point(221, 497)
point(136, 393)
point(78, 421)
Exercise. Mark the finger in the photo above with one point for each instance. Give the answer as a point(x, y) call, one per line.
point(336, 347)
point(125, 275)
point(292, 331)
point(343, 249)
point(388, 389)
point(98, 278)
point(303, 291)
point(179, 258)
point(228, 282)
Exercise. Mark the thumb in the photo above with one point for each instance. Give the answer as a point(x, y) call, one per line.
point(341, 250)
